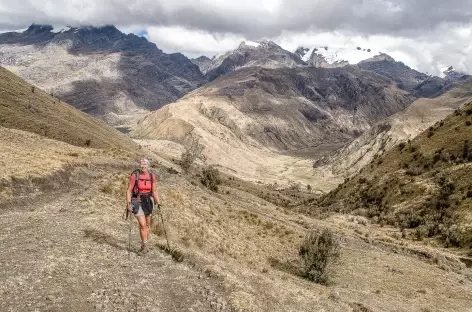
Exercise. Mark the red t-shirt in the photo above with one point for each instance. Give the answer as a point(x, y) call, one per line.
point(144, 182)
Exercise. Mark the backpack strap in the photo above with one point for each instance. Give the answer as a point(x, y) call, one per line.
point(136, 179)
point(151, 177)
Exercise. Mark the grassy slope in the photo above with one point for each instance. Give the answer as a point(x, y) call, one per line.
point(248, 244)
point(424, 184)
point(38, 112)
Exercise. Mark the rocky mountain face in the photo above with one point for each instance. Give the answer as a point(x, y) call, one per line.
point(400, 127)
point(204, 63)
point(101, 71)
point(265, 54)
point(423, 184)
point(329, 58)
point(453, 74)
point(385, 65)
point(243, 116)
point(311, 104)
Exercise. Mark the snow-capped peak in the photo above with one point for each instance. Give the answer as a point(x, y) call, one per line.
point(325, 56)
point(251, 43)
point(58, 30)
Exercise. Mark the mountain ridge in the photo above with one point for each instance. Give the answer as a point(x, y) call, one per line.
point(101, 71)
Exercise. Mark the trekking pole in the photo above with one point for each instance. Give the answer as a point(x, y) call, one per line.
point(129, 234)
point(163, 226)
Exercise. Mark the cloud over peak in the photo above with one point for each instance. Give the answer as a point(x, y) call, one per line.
point(425, 32)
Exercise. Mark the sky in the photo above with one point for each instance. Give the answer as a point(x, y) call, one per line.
point(424, 34)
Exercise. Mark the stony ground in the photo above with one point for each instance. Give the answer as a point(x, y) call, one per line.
point(69, 252)
point(56, 256)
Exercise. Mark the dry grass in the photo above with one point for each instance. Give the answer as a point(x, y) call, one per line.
point(251, 244)
point(39, 112)
point(419, 184)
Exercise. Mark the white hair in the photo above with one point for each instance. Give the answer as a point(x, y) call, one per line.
point(145, 159)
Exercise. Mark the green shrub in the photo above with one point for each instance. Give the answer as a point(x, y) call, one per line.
point(465, 150)
point(318, 252)
point(211, 178)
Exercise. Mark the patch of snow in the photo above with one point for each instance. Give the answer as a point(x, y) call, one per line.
point(16, 30)
point(307, 55)
point(447, 68)
point(57, 30)
point(351, 54)
point(252, 43)
point(60, 29)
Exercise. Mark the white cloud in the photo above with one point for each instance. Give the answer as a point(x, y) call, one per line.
point(425, 34)
point(192, 43)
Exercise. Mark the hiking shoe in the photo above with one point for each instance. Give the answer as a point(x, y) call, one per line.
point(144, 249)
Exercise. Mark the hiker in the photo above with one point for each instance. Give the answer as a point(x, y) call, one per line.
point(141, 197)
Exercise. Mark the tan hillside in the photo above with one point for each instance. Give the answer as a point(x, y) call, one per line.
point(67, 246)
point(251, 121)
point(26, 107)
point(99, 70)
point(397, 128)
point(423, 185)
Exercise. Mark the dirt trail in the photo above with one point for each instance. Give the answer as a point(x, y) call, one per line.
point(56, 256)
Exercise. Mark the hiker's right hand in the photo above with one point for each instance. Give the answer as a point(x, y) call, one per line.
point(130, 207)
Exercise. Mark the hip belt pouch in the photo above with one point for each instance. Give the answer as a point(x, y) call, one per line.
point(135, 203)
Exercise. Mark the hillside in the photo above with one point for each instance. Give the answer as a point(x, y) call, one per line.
point(25, 107)
point(399, 127)
point(422, 185)
point(255, 114)
point(68, 247)
point(100, 71)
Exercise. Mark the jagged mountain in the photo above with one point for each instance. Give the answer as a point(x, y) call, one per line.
point(415, 82)
point(99, 70)
point(204, 63)
point(385, 65)
point(400, 127)
point(265, 54)
point(451, 74)
point(243, 116)
point(330, 57)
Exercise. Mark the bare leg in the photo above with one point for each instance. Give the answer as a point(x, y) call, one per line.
point(143, 228)
point(148, 225)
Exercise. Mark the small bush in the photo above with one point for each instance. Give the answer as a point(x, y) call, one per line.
point(211, 178)
point(193, 150)
point(318, 252)
point(401, 146)
point(465, 150)
point(468, 123)
point(430, 132)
